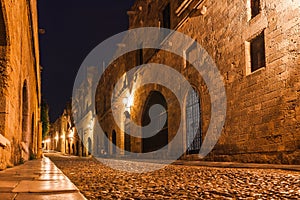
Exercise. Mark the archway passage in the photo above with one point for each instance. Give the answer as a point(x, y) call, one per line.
point(193, 125)
point(25, 114)
point(114, 141)
point(160, 139)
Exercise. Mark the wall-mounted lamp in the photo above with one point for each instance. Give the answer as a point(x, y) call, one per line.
point(203, 10)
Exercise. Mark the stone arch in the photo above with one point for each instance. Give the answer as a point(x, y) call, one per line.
point(159, 140)
point(25, 113)
point(193, 119)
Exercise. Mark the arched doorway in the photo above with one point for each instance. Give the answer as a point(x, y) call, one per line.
point(114, 141)
point(25, 114)
point(89, 146)
point(193, 125)
point(160, 139)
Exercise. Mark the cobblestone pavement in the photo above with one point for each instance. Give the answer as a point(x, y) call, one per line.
point(97, 181)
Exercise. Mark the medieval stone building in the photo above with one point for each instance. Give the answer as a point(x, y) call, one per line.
point(20, 96)
point(63, 136)
point(255, 45)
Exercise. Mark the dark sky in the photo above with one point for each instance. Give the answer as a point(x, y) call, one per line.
point(73, 29)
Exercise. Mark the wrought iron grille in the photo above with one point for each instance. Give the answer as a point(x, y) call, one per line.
point(193, 125)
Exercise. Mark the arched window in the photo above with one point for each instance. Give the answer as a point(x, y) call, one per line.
point(3, 39)
point(160, 139)
point(25, 113)
point(193, 122)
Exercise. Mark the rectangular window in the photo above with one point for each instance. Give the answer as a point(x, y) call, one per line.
point(166, 17)
point(257, 52)
point(255, 8)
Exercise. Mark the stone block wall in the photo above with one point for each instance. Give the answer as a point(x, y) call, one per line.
point(262, 122)
point(20, 82)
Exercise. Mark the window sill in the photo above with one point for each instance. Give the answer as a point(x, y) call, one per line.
point(258, 71)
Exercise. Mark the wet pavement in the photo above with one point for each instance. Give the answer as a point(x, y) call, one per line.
point(37, 180)
point(97, 181)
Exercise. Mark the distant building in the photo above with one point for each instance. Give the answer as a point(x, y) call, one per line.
point(20, 84)
point(63, 136)
point(74, 131)
point(255, 45)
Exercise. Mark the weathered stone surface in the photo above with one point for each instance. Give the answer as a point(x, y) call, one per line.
point(19, 82)
point(262, 122)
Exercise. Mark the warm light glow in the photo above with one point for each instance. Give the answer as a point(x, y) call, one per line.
point(56, 137)
point(62, 137)
point(48, 141)
point(128, 100)
point(71, 135)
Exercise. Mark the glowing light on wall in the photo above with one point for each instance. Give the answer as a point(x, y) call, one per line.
point(128, 101)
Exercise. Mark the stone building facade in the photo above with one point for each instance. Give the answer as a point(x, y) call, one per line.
point(63, 135)
point(255, 45)
point(20, 85)
point(74, 131)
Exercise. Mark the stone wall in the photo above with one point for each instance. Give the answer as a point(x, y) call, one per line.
point(263, 107)
point(20, 82)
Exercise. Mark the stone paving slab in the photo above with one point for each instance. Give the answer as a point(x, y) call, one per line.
point(8, 196)
point(45, 186)
point(7, 186)
point(35, 180)
point(69, 196)
point(51, 177)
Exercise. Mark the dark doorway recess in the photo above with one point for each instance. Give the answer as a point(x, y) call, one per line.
point(159, 140)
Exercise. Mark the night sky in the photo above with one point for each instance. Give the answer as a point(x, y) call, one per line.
point(73, 29)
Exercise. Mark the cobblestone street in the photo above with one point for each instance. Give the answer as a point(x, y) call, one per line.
point(97, 181)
